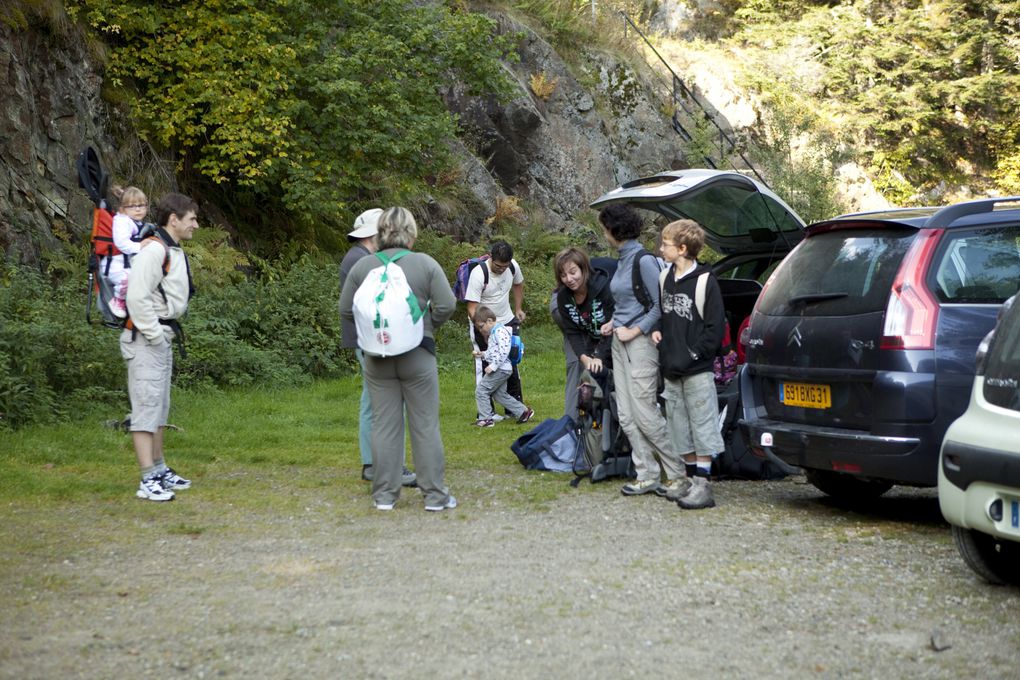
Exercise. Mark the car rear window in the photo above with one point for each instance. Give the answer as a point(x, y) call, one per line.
point(842, 272)
point(1002, 366)
point(978, 265)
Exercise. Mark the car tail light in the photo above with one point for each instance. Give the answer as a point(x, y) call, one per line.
point(912, 312)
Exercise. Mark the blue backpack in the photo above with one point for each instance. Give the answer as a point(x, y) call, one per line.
point(516, 347)
point(551, 445)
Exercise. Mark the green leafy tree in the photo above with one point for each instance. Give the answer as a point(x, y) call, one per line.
point(931, 85)
point(296, 108)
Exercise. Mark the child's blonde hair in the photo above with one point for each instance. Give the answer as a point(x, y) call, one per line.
point(129, 196)
point(685, 233)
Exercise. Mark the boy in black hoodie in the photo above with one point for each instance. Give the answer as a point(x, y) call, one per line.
point(693, 321)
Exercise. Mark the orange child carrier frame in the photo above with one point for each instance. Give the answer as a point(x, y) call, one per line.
point(94, 180)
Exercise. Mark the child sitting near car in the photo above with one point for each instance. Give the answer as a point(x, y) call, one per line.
point(493, 382)
point(133, 206)
point(693, 321)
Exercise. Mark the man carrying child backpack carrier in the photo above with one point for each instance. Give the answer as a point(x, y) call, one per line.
point(158, 291)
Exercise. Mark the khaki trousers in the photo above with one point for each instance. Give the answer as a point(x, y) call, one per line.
point(636, 379)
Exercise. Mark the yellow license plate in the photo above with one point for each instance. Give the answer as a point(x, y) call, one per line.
point(805, 395)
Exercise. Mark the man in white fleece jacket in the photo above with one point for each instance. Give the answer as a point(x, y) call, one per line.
point(159, 287)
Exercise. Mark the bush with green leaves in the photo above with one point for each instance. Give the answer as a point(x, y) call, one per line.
point(279, 327)
point(52, 364)
point(288, 113)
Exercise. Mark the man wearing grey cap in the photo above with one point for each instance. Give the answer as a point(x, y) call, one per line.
point(363, 240)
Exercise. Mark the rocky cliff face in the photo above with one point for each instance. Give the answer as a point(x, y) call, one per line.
point(49, 110)
point(595, 126)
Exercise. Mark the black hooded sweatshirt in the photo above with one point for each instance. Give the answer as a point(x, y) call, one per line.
point(689, 342)
point(581, 323)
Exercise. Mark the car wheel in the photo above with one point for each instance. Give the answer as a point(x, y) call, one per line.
point(846, 487)
point(995, 560)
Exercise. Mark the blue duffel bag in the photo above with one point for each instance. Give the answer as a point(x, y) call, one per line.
point(551, 445)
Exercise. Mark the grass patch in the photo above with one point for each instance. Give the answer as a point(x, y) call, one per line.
point(273, 442)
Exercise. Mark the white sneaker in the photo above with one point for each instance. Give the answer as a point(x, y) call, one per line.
point(173, 482)
point(497, 418)
point(450, 504)
point(151, 489)
point(384, 506)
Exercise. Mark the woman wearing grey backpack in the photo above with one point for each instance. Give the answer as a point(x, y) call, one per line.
point(410, 380)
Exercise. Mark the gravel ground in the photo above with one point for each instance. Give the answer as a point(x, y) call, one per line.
point(776, 582)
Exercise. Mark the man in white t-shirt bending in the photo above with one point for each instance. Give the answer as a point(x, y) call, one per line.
point(491, 284)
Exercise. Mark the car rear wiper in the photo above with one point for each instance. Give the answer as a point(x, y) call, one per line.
point(816, 297)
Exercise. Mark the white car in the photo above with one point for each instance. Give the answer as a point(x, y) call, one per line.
point(979, 466)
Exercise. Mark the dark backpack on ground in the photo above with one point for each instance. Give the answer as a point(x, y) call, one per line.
point(551, 445)
point(737, 461)
point(604, 450)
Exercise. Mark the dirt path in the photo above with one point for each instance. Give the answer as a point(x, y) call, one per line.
point(776, 582)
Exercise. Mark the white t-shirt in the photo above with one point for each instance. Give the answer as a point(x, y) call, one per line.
point(496, 294)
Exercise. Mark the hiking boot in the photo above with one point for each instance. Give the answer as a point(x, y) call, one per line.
point(151, 489)
point(526, 416)
point(450, 504)
point(485, 422)
point(408, 478)
point(367, 473)
point(637, 487)
point(700, 496)
point(675, 488)
point(174, 482)
point(118, 308)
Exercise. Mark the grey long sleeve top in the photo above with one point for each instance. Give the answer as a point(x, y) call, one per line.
point(628, 311)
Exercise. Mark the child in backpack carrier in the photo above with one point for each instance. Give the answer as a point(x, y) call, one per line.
point(493, 382)
point(126, 224)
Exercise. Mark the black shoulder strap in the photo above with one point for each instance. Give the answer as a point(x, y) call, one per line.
point(485, 273)
point(638, 283)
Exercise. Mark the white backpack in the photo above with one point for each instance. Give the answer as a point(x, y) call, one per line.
point(386, 311)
